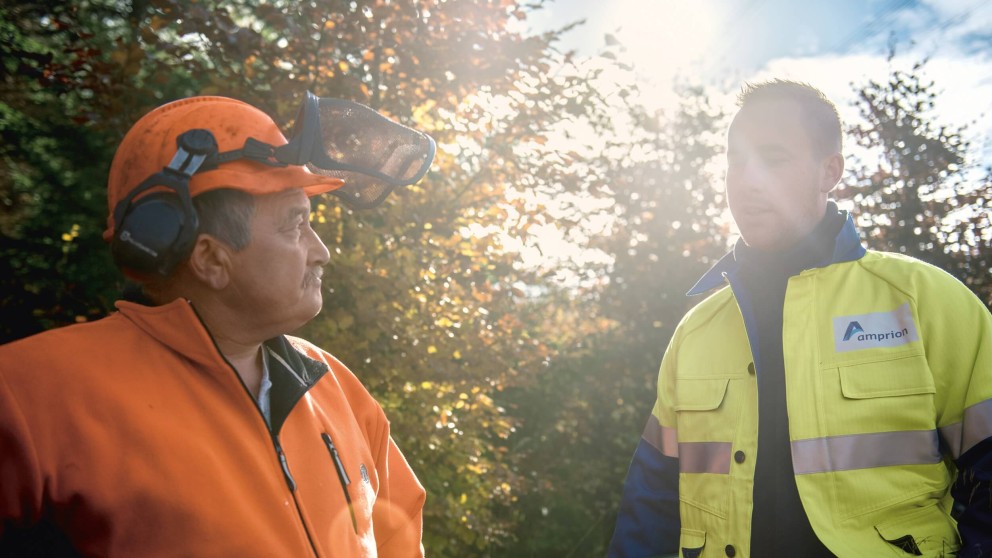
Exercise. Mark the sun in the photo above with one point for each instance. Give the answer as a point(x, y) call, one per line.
point(666, 39)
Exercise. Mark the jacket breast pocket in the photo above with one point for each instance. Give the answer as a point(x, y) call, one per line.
point(881, 435)
point(703, 410)
point(889, 395)
point(707, 420)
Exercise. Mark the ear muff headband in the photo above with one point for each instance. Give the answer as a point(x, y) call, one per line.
point(155, 233)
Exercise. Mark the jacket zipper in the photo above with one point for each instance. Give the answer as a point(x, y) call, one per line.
point(280, 455)
point(342, 477)
point(285, 465)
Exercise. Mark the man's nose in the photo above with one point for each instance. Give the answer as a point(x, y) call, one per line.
point(319, 254)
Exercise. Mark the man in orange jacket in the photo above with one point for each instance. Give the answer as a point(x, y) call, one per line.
point(189, 423)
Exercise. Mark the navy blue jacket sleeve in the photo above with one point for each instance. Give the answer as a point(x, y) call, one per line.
point(648, 518)
point(972, 493)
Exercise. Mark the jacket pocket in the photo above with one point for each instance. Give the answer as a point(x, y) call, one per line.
point(703, 411)
point(697, 394)
point(924, 531)
point(882, 429)
point(887, 378)
point(707, 421)
point(889, 395)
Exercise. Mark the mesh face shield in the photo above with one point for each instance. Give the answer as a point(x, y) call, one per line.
point(346, 140)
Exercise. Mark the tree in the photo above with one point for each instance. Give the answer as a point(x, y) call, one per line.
point(584, 413)
point(920, 197)
point(422, 298)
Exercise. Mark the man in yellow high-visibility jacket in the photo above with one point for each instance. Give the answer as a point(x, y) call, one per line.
point(828, 400)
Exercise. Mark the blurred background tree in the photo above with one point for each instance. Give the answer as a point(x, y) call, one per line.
point(919, 194)
point(516, 385)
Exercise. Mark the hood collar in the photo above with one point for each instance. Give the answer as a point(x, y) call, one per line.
point(175, 325)
point(847, 247)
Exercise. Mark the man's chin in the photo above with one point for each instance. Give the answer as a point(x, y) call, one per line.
point(767, 242)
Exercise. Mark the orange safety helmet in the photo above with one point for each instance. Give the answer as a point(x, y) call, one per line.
point(337, 146)
point(151, 143)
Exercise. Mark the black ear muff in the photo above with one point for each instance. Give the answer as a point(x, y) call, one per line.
point(155, 233)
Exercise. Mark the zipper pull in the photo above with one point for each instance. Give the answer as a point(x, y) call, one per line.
point(342, 476)
point(285, 466)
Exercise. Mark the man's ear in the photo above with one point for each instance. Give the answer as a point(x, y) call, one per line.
point(833, 169)
point(210, 262)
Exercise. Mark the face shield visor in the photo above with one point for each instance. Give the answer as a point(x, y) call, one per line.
point(346, 140)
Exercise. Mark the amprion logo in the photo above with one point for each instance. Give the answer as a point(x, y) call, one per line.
point(852, 328)
point(855, 328)
point(875, 329)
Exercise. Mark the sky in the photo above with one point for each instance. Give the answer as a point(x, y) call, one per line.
point(831, 44)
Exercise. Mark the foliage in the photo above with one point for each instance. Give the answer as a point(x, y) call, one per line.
point(423, 302)
point(919, 196)
point(586, 412)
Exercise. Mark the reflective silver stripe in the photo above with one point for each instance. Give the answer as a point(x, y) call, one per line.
point(704, 457)
point(863, 451)
point(663, 438)
point(975, 427)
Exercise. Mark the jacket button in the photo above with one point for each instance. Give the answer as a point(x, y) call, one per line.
point(739, 456)
point(730, 550)
point(750, 368)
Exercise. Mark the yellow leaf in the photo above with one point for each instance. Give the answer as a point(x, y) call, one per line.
point(457, 354)
point(431, 350)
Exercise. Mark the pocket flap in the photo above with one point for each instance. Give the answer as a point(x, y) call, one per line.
point(692, 542)
point(887, 378)
point(693, 394)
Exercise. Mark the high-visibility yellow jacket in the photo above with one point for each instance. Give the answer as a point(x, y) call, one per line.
point(888, 366)
point(134, 436)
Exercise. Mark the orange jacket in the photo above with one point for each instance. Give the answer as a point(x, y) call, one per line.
point(135, 437)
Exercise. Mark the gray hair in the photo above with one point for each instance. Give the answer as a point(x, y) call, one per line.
point(226, 214)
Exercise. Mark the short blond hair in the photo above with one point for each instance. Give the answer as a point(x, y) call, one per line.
point(819, 113)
